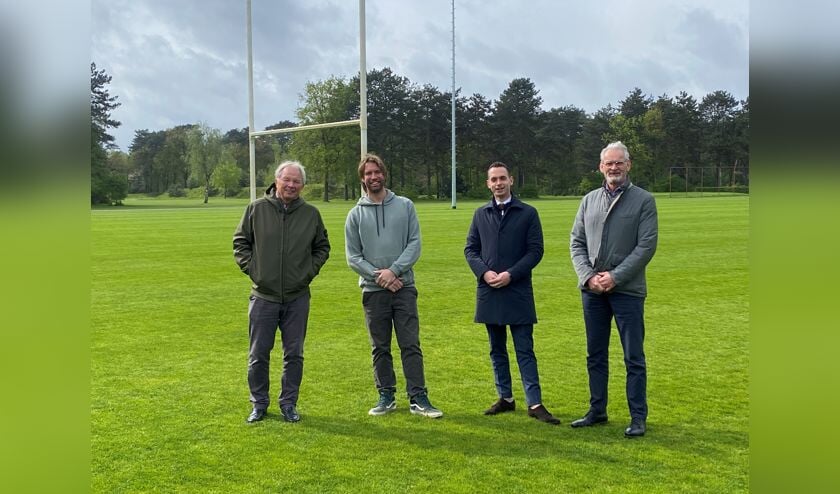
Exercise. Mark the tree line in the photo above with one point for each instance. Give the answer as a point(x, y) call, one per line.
point(550, 152)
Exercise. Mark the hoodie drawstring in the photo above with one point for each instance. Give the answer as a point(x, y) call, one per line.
point(376, 211)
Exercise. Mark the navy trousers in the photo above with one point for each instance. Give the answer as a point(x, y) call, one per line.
point(628, 311)
point(523, 344)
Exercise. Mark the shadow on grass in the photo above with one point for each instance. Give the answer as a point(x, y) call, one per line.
point(518, 435)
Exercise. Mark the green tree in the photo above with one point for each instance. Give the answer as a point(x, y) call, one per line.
point(635, 104)
point(170, 165)
point(204, 152)
point(630, 131)
point(473, 131)
point(594, 137)
point(391, 112)
point(143, 150)
point(717, 112)
point(515, 122)
point(279, 143)
point(741, 149)
point(323, 151)
point(683, 129)
point(119, 161)
point(431, 128)
point(107, 185)
point(226, 176)
point(559, 135)
point(267, 150)
point(654, 137)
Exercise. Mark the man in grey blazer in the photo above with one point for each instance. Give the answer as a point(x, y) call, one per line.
point(612, 241)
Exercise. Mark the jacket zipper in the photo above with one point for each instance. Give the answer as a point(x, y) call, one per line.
point(283, 257)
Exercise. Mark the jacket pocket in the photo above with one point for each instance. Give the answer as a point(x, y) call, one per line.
point(253, 271)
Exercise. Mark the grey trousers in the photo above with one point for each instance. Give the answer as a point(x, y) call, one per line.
point(385, 310)
point(264, 317)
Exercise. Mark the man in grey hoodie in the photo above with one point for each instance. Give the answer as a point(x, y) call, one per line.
point(382, 241)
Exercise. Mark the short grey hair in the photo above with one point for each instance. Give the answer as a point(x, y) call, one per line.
point(616, 145)
point(287, 164)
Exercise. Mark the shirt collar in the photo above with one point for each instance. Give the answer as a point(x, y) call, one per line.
point(618, 190)
point(506, 203)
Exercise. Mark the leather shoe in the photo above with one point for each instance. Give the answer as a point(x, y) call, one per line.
point(290, 414)
point(590, 419)
point(540, 413)
point(501, 406)
point(637, 428)
point(257, 414)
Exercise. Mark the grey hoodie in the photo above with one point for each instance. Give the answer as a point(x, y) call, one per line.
point(380, 236)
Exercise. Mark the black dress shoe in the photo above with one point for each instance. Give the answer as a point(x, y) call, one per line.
point(257, 414)
point(637, 428)
point(540, 413)
point(501, 406)
point(290, 414)
point(590, 419)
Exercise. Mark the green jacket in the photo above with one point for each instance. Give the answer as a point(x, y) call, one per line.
point(280, 248)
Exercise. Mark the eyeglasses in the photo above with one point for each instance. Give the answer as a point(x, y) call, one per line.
point(614, 163)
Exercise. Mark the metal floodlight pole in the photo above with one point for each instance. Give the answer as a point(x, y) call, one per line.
point(251, 144)
point(454, 198)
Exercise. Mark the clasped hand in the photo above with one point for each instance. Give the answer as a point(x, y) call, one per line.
point(388, 280)
point(497, 280)
point(601, 282)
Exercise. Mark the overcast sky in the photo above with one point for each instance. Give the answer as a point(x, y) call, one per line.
point(179, 62)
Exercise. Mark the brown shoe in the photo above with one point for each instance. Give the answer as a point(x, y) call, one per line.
point(543, 415)
point(501, 406)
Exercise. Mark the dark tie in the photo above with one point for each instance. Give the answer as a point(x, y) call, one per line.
point(501, 208)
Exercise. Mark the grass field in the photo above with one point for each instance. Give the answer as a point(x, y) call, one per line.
point(169, 355)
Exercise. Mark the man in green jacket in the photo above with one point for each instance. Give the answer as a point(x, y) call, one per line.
point(281, 244)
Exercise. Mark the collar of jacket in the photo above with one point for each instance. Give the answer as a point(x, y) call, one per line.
point(619, 190)
point(271, 195)
point(514, 203)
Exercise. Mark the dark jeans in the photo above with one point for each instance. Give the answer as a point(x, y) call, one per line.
point(385, 310)
point(628, 311)
point(264, 318)
point(523, 344)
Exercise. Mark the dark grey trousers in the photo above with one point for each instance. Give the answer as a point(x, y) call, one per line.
point(264, 317)
point(385, 310)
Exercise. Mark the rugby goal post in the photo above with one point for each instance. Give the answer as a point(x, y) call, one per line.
point(361, 121)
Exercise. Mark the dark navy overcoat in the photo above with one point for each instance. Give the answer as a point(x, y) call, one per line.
point(513, 243)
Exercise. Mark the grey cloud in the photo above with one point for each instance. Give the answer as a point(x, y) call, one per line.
point(714, 41)
point(179, 62)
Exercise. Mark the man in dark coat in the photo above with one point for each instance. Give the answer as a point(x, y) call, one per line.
point(504, 244)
